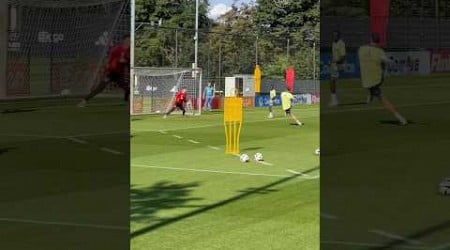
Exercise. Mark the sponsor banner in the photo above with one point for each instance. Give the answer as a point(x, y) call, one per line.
point(350, 69)
point(409, 63)
point(299, 99)
point(440, 61)
point(18, 83)
point(263, 101)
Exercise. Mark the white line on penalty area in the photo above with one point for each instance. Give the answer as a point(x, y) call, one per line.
point(337, 110)
point(77, 140)
point(192, 141)
point(218, 125)
point(111, 151)
point(212, 147)
point(58, 223)
point(177, 136)
point(394, 236)
point(365, 244)
point(264, 163)
point(211, 171)
point(329, 216)
point(162, 132)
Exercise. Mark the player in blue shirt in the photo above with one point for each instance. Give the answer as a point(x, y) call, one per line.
point(208, 94)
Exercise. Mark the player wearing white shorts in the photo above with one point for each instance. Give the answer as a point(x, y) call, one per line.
point(337, 64)
point(273, 95)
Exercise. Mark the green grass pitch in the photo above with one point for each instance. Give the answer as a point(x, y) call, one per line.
point(187, 194)
point(379, 179)
point(60, 188)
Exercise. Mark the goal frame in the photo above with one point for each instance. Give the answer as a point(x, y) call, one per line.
point(165, 71)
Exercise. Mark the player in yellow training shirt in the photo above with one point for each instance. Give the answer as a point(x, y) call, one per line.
point(273, 95)
point(373, 60)
point(337, 64)
point(286, 103)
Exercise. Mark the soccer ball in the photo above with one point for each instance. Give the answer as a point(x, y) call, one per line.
point(444, 187)
point(258, 157)
point(317, 151)
point(244, 158)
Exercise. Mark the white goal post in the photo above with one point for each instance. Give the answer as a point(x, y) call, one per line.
point(153, 90)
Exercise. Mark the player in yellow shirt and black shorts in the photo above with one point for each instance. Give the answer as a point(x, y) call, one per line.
point(286, 103)
point(373, 60)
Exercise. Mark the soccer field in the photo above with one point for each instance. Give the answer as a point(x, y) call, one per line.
point(187, 194)
point(64, 175)
point(381, 186)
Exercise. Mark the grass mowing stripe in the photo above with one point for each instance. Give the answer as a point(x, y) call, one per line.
point(57, 223)
point(365, 244)
point(209, 171)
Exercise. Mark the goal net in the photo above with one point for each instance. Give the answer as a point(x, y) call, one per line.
point(56, 46)
point(154, 90)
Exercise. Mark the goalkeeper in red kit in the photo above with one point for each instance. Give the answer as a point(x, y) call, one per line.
point(180, 100)
point(117, 71)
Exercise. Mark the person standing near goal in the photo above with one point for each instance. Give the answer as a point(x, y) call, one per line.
point(286, 103)
point(180, 101)
point(337, 64)
point(208, 95)
point(373, 61)
point(272, 96)
point(117, 70)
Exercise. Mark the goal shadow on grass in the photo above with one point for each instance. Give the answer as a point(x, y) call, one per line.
point(416, 236)
point(245, 193)
point(146, 202)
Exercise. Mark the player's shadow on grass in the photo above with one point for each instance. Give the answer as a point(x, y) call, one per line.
point(395, 122)
point(15, 111)
point(164, 195)
point(395, 244)
point(245, 194)
point(353, 104)
point(253, 148)
point(5, 150)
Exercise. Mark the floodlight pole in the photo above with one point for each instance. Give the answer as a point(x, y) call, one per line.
point(196, 32)
point(132, 45)
point(314, 60)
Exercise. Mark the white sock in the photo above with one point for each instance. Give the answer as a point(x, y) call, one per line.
point(334, 98)
point(400, 118)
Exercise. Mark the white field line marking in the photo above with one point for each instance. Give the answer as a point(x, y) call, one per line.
point(381, 108)
point(218, 125)
point(293, 172)
point(264, 163)
point(212, 147)
point(56, 223)
point(177, 136)
point(112, 151)
point(192, 141)
point(394, 236)
point(163, 132)
point(329, 216)
point(77, 140)
point(364, 244)
point(210, 171)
